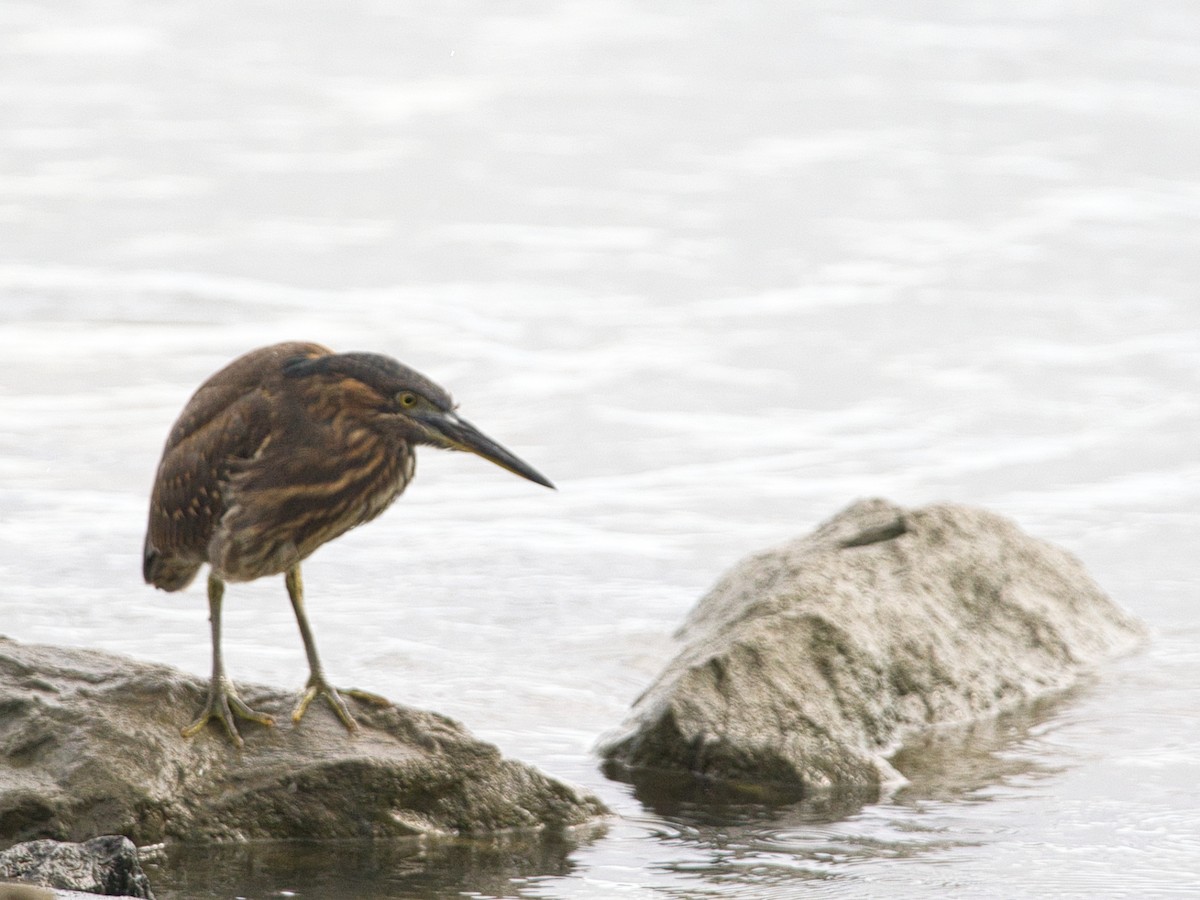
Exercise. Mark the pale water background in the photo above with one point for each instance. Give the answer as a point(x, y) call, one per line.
point(718, 269)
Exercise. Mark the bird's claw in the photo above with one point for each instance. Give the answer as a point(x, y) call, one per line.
point(319, 687)
point(223, 704)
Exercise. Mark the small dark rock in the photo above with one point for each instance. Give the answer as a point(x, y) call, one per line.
point(807, 666)
point(105, 865)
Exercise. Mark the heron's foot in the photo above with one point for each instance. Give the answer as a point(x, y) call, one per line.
point(318, 687)
point(223, 704)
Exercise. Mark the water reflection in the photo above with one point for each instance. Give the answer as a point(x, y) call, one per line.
point(951, 762)
point(964, 762)
point(723, 836)
point(381, 870)
point(698, 801)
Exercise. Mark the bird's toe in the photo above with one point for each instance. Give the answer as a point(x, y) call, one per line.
point(225, 705)
point(318, 687)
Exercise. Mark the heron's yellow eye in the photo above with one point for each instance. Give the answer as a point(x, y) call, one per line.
point(408, 400)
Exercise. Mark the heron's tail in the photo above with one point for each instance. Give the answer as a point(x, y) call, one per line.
point(164, 572)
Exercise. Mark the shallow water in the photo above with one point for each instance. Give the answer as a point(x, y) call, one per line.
point(717, 270)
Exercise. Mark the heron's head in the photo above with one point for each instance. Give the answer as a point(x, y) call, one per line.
point(386, 394)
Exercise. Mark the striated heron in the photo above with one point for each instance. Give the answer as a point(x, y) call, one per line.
point(284, 449)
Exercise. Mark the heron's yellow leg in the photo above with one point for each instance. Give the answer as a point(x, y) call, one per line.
point(223, 702)
point(318, 685)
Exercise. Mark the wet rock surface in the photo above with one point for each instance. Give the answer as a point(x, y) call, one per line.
point(90, 744)
point(106, 865)
point(807, 666)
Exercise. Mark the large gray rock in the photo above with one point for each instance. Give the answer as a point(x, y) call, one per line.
point(105, 865)
point(90, 744)
point(806, 666)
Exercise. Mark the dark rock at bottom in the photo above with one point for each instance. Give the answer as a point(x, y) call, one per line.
point(105, 865)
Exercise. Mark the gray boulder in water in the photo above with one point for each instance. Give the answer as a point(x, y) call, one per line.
point(806, 666)
point(90, 745)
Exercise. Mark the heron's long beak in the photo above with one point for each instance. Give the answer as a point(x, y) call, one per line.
point(453, 433)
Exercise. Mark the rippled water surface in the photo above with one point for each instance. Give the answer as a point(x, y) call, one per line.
point(717, 269)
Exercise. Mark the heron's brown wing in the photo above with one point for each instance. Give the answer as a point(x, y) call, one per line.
point(228, 421)
point(258, 370)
